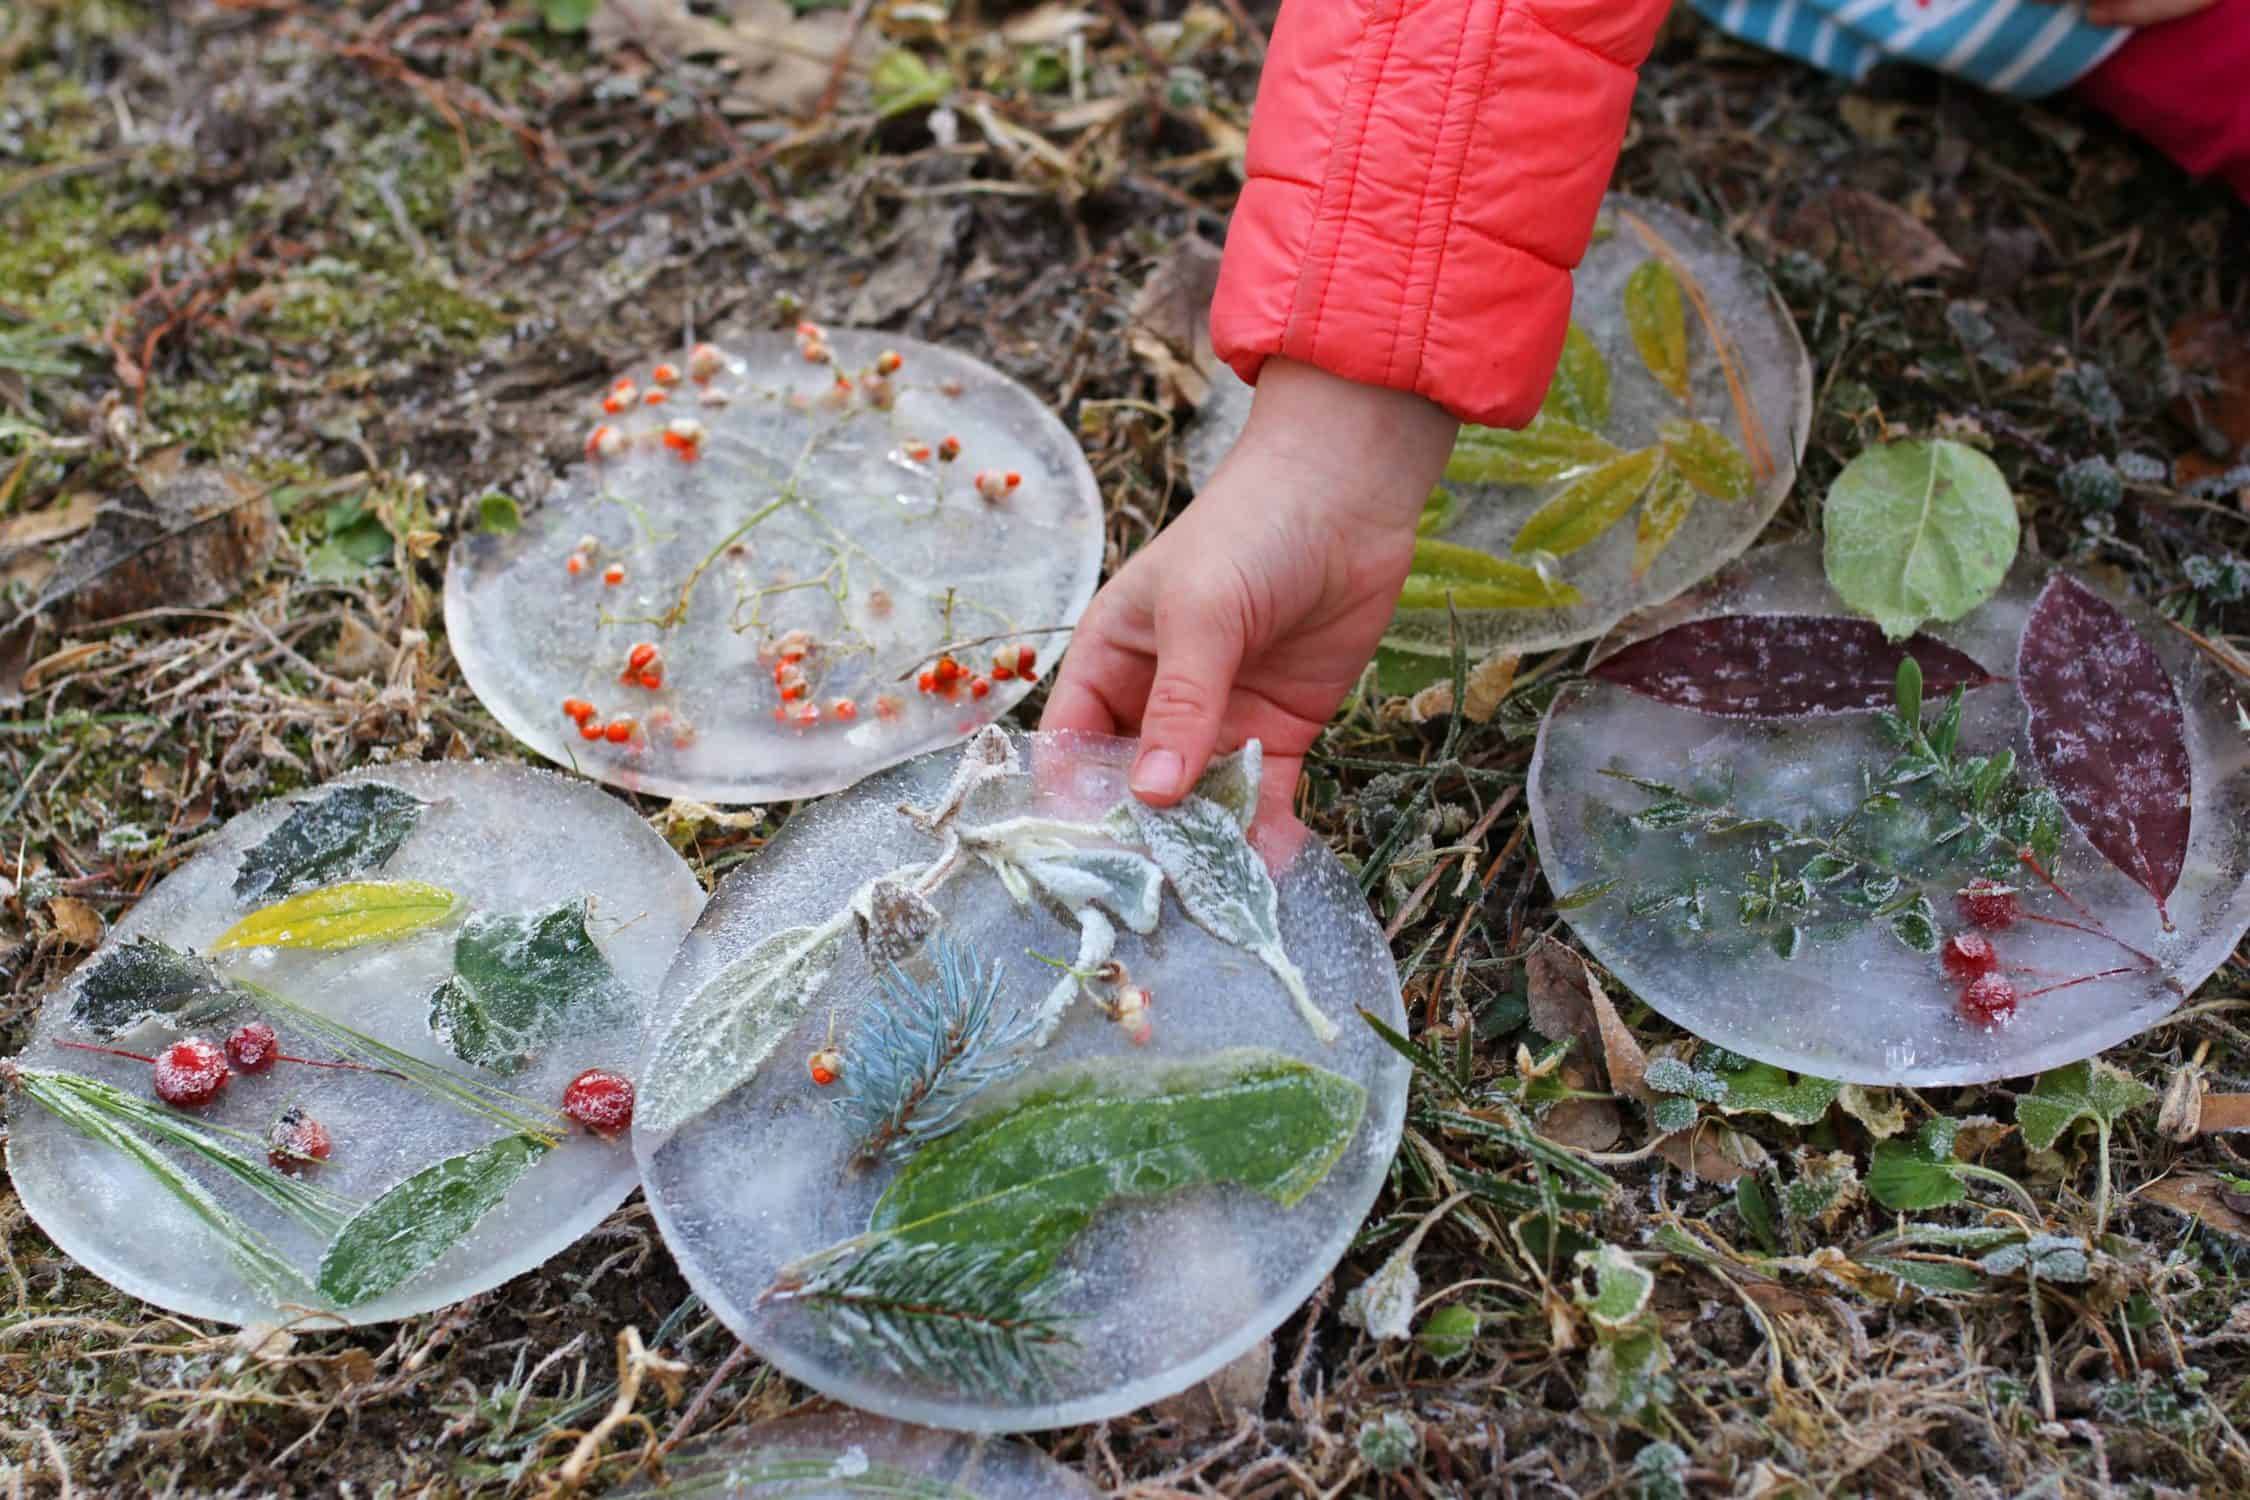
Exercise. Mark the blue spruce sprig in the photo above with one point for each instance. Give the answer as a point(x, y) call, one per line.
point(927, 1051)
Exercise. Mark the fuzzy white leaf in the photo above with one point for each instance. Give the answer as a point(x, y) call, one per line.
point(731, 1026)
point(1223, 886)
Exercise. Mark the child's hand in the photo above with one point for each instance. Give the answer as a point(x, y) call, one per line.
point(1253, 614)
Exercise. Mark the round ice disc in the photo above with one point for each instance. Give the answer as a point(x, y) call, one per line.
point(1061, 1224)
point(500, 913)
point(1614, 394)
point(1791, 887)
point(850, 1455)
point(737, 592)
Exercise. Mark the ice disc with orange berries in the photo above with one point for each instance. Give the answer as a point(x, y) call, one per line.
point(781, 563)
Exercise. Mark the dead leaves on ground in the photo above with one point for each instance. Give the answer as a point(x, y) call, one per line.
point(1870, 239)
point(1567, 1001)
point(780, 62)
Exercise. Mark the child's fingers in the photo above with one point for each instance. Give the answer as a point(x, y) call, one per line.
point(1100, 685)
point(1199, 645)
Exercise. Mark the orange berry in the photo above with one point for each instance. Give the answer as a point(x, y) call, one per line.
point(843, 708)
point(613, 404)
point(809, 330)
point(653, 398)
point(575, 564)
point(918, 452)
point(590, 728)
point(888, 361)
point(886, 707)
point(949, 448)
point(614, 574)
point(577, 709)
point(1027, 660)
point(665, 375)
point(651, 680)
point(978, 687)
point(826, 1066)
point(641, 655)
point(604, 441)
point(620, 729)
point(927, 682)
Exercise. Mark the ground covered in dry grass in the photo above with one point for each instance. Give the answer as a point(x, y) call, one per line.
point(356, 260)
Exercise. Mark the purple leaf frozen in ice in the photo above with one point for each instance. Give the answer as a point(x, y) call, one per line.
point(1782, 666)
point(2107, 733)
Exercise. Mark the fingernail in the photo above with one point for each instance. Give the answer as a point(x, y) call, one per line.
point(1158, 773)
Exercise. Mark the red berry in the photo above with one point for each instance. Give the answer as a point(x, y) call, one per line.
point(1027, 661)
point(843, 708)
point(978, 687)
point(600, 1100)
point(591, 728)
point(620, 730)
point(826, 1066)
point(613, 575)
point(665, 375)
point(949, 448)
point(1970, 955)
point(253, 1048)
point(577, 710)
point(641, 655)
point(190, 1073)
point(575, 564)
point(298, 1142)
point(651, 680)
point(927, 682)
point(888, 361)
point(1989, 998)
point(1990, 905)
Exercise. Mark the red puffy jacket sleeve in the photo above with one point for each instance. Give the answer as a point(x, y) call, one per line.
point(1423, 175)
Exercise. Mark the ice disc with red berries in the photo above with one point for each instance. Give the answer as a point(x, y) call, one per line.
point(361, 1010)
point(989, 1098)
point(785, 562)
point(2021, 849)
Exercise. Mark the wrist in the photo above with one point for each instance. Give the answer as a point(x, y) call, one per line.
point(1367, 450)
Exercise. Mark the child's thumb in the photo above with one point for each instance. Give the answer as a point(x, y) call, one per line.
point(1198, 648)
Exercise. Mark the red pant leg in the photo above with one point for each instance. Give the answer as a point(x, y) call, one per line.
point(2184, 86)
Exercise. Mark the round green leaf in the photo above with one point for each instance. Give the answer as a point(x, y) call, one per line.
point(1919, 531)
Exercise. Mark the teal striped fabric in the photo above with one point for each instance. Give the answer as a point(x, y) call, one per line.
point(2021, 47)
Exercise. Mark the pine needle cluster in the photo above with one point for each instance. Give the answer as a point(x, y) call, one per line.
point(927, 1050)
point(974, 1318)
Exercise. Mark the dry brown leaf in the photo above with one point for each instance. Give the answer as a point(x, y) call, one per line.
point(15, 658)
point(1873, 241)
point(780, 61)
point(1170, 329)
point(79, 924)
point(1567, 1002)
point(2224, 1112)
point(55, 663)
point(360, 652)
point(187, 544)
point(55, 523)
point(2204, 1197)
point(2213, 357)
point(1489, 682)
point(1582, 1124)
point(1880, 1110)
point(1216, 1405)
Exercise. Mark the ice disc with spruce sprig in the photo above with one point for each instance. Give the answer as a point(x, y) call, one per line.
point(473, 936)
point(988, 1098)
point(786, 562)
